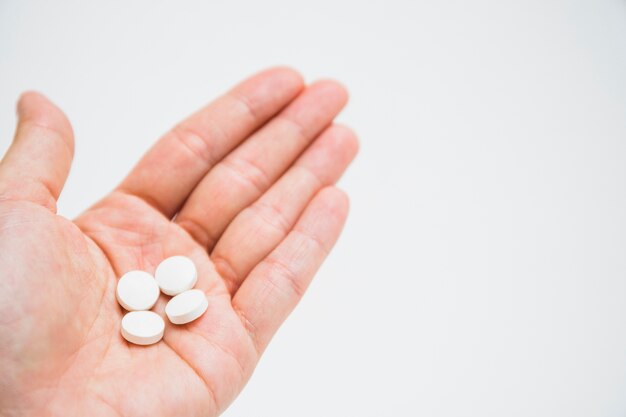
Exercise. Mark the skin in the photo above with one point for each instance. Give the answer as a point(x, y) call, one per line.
point(244, 187)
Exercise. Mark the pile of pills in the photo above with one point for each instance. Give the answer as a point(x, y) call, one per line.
point(138, 292)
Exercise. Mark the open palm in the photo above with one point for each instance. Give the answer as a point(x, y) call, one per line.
point(244, 187)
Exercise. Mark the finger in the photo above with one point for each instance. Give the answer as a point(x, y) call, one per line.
point(257, 230)
point(38, 161)
point(252, 168)
point(171, 169)
point(275, 286)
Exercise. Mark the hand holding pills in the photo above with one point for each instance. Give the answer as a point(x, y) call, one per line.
point(138, 291)
point(107, 314)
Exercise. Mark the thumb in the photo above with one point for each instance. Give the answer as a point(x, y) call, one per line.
point(38, 161)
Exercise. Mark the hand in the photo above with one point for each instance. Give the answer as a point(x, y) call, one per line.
point(244, 187)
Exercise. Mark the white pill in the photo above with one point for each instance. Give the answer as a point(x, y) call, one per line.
point(176, 274)
point(142, 327)
point(137, 290)
point(186, 306)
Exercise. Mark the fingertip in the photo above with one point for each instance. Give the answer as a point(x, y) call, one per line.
point(336, 201)
point(268, 90)
point(333, 87)
point(286, 77)
point(327, 97)
point(288, 73)
point(344, 199)
point(35, 108)
point(27, 101)
point(347, 139)
point(331, 153)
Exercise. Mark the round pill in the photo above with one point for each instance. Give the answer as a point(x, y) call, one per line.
point(176, 274)
point(142, 327)
point(186, 306)
point(137, 290)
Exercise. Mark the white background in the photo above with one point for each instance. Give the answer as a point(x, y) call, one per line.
point(483, 268)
